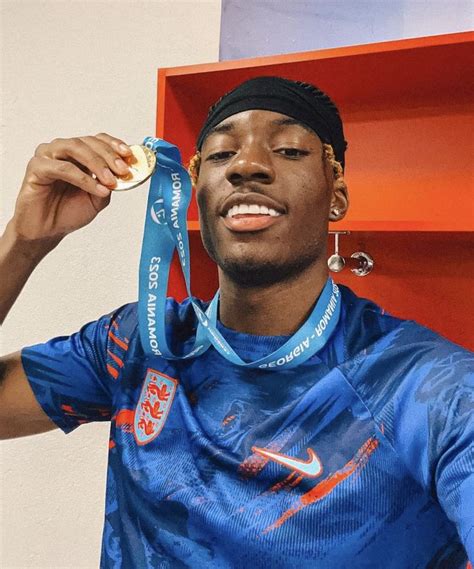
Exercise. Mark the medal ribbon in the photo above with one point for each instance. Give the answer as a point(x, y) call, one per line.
point(166, 230)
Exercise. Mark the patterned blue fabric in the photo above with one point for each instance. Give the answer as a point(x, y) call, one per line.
point(386, 407)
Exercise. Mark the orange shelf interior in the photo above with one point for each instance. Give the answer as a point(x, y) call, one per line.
point(407, 111)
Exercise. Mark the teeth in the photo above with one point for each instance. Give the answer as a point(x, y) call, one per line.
point(242, 209)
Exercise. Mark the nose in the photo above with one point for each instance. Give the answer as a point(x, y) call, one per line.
point(251, 163)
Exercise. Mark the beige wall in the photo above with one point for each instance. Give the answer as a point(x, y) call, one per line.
point(73, 68)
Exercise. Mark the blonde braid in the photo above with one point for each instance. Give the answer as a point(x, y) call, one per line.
point(336, 166)
point(193, 167)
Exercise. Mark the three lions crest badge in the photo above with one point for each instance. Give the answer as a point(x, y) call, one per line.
point(153, 406)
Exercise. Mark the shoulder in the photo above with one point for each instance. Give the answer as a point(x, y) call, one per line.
point(438, 368)
point(364, 323)
point(387, 355)
point(370, 328)
point(122, 325)
point(417, 386)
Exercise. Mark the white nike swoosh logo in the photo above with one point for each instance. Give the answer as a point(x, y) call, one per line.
point(311, 467)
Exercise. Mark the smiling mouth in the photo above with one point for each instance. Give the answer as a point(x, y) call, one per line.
point(251, 209)
point(250, 217)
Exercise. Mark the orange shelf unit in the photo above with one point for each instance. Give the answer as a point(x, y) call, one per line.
point(407, 111)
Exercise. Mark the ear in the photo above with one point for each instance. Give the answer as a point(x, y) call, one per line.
point(339, 200)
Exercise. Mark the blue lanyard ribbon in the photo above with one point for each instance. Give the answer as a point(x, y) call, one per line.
point(166, 230)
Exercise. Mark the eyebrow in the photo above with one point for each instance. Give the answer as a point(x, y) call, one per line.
point(288, 121)
point(230, 126)
point(222, 128)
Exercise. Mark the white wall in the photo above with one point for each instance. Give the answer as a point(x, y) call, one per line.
point(73, 68)
point(268, 27)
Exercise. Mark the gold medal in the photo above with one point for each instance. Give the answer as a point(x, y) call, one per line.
point(141, 166)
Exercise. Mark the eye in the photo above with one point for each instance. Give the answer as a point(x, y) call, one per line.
point(292, 152)
point(223, 155)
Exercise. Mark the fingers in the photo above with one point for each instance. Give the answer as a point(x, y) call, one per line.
point(44, 171)
point(102, 155)
point(118, 145)
point(102, 149)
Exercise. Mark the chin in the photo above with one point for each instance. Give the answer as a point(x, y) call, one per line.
point(252, 266)
point(261, 273)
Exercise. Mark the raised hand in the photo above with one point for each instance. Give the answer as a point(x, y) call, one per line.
point(67, 183)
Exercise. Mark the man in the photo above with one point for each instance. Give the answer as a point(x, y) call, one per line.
point(361, 456)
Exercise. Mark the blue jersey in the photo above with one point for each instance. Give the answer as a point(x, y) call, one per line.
point(361, 457)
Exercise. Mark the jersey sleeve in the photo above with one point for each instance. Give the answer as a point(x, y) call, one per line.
point(74, 378)
point(454, 472)
point(433, 430)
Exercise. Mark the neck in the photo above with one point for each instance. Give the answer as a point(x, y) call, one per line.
point(278, 309)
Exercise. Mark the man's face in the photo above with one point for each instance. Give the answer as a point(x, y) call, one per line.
point(264, 193)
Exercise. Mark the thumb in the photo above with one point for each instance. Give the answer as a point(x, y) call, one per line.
point(99, 203)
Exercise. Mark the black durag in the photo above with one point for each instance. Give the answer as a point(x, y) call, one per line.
point(301, 101)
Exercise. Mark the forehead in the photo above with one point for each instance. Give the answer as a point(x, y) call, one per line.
point(259, 119)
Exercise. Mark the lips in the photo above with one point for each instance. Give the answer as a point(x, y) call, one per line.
point(250, 212)
point(242, 223)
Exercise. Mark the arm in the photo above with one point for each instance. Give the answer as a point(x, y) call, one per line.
point(17, 261)
point(68, 380)
point(434, 431)
point(64, 189)
point(454, 475)
point(20, 413)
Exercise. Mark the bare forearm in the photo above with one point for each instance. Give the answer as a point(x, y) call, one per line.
point(18, 259)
